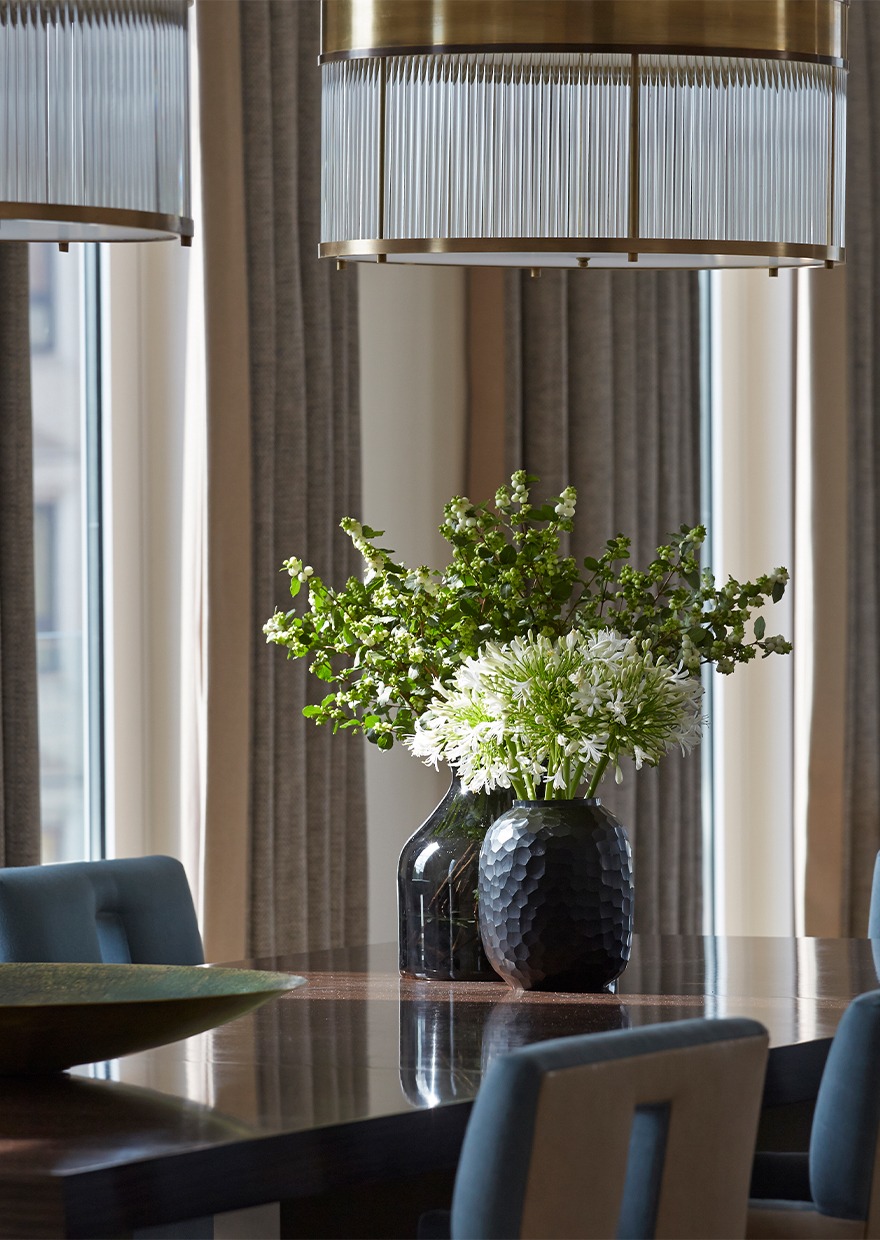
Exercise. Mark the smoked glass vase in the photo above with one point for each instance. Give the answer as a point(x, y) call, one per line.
point(439, 935)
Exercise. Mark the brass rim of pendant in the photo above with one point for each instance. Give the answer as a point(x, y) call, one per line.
point(102, 217)
point(579, 247)
point(805, 30)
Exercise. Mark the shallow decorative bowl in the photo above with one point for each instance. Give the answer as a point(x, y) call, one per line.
point(53, 1016)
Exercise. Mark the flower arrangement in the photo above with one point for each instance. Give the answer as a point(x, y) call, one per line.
point(410, 652)
point(552, 713)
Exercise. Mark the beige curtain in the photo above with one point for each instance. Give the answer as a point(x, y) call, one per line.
point(19, 744)
point(603, 392)
point(283, 848)
point(307, 809)
point(862, 767)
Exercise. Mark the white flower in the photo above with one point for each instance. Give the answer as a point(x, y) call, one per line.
point(536, 711)
point(274, 628)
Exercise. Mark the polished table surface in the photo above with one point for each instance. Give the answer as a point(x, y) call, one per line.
point(362, 1078)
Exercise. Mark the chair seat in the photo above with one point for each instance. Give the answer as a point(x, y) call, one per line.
point(798, 1220)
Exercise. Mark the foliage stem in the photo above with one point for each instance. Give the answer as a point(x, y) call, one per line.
point(597, 776)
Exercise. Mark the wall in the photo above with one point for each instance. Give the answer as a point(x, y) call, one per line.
point(752, 533)
point(413, 405)
point(145, 299)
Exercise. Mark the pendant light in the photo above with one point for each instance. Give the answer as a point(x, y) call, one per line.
point(602, 133)
point(94, 127)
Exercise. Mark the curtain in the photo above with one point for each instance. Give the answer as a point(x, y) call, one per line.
point(19, 743)
point(862, 765)
point(603, 391)
point(307, 807)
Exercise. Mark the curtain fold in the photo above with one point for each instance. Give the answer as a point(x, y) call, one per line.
point(862, 767)
point(307, 806)
point(604, 392)
point(19, 737)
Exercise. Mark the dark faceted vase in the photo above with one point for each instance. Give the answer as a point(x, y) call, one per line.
point(437, 888)
point(556, 896)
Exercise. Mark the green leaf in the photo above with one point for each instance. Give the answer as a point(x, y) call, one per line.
point(778, 590)
point(369, 532)
point(507, 555)
point(592, 564)
point(311, 712)
point(323, 671)
point(760, 626)
point(295, 586)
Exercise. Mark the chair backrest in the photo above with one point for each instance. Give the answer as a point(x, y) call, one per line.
point(874, 910)
point(138, 910)
point(844, 1162)
point(640, 1132)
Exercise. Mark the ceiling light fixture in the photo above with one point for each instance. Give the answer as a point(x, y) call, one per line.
point(600, 133)
point(94, 127)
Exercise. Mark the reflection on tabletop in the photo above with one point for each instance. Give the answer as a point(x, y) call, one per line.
point(47, 1111)
point(445, 1050)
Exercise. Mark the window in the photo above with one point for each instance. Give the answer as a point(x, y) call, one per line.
point(65, 369)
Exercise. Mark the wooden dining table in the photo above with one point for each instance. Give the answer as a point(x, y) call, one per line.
point(347, 1100)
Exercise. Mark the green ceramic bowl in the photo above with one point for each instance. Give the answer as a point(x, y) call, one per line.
point(53, 1016)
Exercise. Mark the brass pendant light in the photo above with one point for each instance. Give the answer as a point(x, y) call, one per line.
point(565, 133)
point(94, 120)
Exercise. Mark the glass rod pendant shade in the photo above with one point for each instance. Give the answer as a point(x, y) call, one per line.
point(564, 133)
point(94, 126)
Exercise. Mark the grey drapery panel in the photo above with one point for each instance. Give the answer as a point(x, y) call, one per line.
point(862, 763)
point(19, 745)
point(604, 394)
point(308, 872)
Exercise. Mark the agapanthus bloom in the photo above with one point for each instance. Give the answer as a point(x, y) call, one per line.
point(538, 713)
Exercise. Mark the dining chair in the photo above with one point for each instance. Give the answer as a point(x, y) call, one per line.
point(635, 1133)
point(136, 910)
point(874, 909)
point(834, 1189)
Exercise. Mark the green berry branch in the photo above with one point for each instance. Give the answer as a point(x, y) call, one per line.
point(384, 642)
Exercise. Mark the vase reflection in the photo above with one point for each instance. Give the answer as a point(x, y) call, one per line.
point(447, 1044)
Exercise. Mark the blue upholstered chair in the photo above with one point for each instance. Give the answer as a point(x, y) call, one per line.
point(636, 1133)
point(137, 910)
point(874, 910)
point(834, 1190)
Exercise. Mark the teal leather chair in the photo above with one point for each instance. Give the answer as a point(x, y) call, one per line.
point(874, 910)
point(834, 1189)
point(636, 1133)
point(137, 910)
